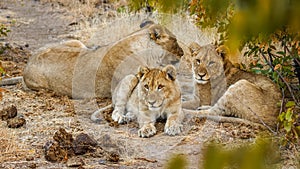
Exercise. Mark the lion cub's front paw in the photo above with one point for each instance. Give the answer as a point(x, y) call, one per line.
point(173, 128)
point(118, 116)
point(147, 130)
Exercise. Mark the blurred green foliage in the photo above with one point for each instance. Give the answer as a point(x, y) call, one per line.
point(177, 162)
point(245, 19)
point(260, 155)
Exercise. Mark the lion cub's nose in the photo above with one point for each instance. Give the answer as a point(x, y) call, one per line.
point(201, 74)
point(151, 102)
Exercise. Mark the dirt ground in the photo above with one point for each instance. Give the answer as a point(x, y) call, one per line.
point(35, 23)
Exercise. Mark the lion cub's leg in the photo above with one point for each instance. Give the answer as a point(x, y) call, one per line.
point(243, 100)
point(146, 122)
point(121, 96)
point(191, 104)
point(174, 125)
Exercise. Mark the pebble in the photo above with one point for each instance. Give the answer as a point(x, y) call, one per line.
point(16, 122)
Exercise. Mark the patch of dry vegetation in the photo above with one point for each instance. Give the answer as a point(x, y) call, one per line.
point(87, 8)
point(10, 148)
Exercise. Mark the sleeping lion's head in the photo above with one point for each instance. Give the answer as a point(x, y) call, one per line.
point(158, 88)
point(207, 62)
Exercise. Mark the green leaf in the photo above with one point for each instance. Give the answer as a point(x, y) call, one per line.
point(256, 71)
point(281, 53)
point(287, 126)
point(259, 65)
point(290, 104)
point(281, 117)
point(289, 115)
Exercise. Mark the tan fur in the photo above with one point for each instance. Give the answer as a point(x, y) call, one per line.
point(70, 68)
point(231, 91)
point(151, 94)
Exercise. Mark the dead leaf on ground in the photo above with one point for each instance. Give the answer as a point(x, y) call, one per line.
point(1, 90)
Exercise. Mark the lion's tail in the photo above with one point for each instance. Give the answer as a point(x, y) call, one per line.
point(95, 117)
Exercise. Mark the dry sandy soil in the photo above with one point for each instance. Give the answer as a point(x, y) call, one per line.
point(33, 24)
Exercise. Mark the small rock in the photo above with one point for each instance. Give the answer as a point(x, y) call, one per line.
point(108, 144)
point(102, 162)
point(8, 112)
point(84, 143)
point(16, 122)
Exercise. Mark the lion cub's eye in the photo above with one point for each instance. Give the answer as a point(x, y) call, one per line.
point(198, 61)
point(146, 87)
point(160, 87)
point(211, 63)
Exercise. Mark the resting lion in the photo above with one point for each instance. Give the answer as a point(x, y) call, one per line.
point(150, 94)
point(222, 89)
point(70, 68)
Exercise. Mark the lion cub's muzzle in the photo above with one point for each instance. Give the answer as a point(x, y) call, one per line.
point(201, 78)
point(154, 104)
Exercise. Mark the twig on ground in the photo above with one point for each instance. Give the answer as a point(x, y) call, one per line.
point(145, 159)
point(11, 81)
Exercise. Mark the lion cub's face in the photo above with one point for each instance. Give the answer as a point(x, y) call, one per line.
point(157, 87)
point(206, 63)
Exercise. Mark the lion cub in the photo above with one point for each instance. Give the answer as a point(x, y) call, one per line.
point(231, 91)
point(150, 94)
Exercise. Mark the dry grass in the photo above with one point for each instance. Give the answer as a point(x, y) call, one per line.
point(10, 149)
point(88, 8)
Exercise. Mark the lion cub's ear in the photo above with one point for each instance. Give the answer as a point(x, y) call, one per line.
point(223, 51)
point(194, 48)
point(171, 72)
point(142, 70)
